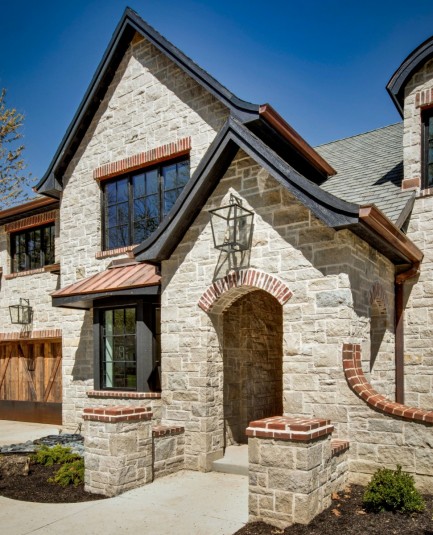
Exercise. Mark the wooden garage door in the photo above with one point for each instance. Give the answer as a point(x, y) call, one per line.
point(31, 380)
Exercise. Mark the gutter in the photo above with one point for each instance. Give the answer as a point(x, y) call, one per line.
point(376, 220)
point(268, 113)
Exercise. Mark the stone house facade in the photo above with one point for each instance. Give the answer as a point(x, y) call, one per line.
point(321, 321)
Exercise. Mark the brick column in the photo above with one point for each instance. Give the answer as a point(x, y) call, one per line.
point(117, 449)
point(289, 469)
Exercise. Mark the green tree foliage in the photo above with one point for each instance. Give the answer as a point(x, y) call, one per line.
point(13, 179)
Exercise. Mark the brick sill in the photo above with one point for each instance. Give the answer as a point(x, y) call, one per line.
point(110, 394)
point(425, 193)
point(115, 252)
point(50, 268)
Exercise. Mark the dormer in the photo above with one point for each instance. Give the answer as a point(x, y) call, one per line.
point(411, 88)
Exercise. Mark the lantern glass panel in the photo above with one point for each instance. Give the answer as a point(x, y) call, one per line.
point(232, 227)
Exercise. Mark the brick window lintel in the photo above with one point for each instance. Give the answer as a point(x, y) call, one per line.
point(169, 151)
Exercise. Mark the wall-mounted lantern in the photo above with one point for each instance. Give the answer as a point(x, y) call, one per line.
point(22, 313)
point(232, 226)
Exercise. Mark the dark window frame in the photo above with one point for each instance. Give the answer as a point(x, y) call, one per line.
point(44, 258)
point(426, 117)
point(146, 347)
point(161, 192)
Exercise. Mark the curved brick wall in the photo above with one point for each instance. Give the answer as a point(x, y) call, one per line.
point(358, 383)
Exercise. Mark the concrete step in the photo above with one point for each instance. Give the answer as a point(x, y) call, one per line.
point(235, 461)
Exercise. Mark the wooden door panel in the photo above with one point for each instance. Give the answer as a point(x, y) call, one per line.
point(31, 371)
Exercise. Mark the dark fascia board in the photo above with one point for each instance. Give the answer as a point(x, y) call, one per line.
point(85, 301)
point(407, 210)
point(232, 137)
point(131, 22)
point(367, 222)
point(413, 62)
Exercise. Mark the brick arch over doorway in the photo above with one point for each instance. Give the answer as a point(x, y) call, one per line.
point(245, 281)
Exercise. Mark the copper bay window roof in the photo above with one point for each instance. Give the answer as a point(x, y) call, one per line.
point(132, 280)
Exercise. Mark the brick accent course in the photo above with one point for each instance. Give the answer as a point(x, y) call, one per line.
point(26, 273)
point(148, 158)
point(424, 98)
point(117, 414)
point(123, 395)
point(339, 446)
point(167, 430)
point(31, 335)
point(252, 278)
point(115, 252)
point(358, 383)
point(411, 183)
point(293, 429)
point(32, 221)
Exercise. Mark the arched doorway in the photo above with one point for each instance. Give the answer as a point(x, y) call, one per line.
point(252, 341)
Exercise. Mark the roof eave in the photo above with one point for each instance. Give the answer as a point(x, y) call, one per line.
point(398, 81)
point(376, 220)
point(232, 137)
point(268, 113)
point(126, 28)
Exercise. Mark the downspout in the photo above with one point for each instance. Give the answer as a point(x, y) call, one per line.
point(400, 279)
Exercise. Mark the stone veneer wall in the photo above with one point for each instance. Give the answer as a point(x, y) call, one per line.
point(418, 355)
point(330, 275)
point(35, 286)
point(149, 103)
point(252, 340)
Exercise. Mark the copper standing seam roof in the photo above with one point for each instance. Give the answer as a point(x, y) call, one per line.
point(113, 279)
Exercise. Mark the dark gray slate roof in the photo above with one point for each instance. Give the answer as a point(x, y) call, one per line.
point(369, 169)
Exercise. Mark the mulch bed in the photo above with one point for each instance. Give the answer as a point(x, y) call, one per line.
point(347, 516)
point(20, 480)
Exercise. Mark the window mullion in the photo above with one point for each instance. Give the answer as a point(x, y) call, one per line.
point(131, 211)
point(161, 194)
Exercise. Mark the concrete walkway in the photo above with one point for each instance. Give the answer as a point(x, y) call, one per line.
point(190, 503)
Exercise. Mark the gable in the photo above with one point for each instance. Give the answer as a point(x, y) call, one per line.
point(126, 33)
point(367, 222)
point(402, 76)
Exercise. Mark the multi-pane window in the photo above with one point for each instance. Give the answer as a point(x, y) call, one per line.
point(127, 348)
point(119, 354)
point(427, 143)
point(32, 248)
point(135, 205)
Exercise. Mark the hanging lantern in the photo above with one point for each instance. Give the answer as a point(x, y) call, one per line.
point(21, 313)
point(232, 226)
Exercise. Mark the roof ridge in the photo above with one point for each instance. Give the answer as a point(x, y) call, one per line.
point(357, 135)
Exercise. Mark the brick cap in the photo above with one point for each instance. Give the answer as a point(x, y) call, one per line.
point(339, 446)
point(116, 414)
point(291, 429)
point(357, 382)
point(167, 430)
point(121, 394)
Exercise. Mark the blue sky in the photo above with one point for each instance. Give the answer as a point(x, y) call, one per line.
point(322, 64)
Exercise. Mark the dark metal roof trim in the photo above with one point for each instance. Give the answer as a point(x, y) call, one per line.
point(367, 222)
point(398, 81)
point(86, 301)
point(128, 25)
point(331, 210)
point(407, 210)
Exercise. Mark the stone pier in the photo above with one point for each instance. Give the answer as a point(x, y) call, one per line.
point(117, 449)
point(290, 469)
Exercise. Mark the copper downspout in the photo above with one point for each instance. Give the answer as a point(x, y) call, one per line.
point(399, 329)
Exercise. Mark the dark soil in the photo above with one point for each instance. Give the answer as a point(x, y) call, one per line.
point(347, 516)
point(21, 480)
